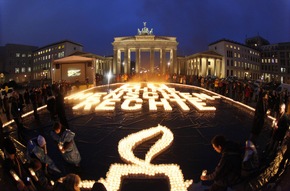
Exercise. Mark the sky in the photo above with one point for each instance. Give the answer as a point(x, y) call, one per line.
point(95, 23)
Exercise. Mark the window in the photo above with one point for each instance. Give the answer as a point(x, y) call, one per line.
point(17, 54)
point(61, 54)
point(22, 69)
point(29, 69)
point(28, 55)
point(283, 70)
point(16, 70)
point(23, 55)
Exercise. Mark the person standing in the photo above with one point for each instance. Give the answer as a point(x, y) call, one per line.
point(6, 106)
point(228, 171)
point(33, 98)
point(66, 144)
point(280, 125)
point(60, 107)
point(50, 105)
point(26, 97)
point(261, 112)
point(16, 114)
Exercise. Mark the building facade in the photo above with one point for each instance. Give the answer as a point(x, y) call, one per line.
point(44, 56)
point(144, 41)
point(203, 64)
point(81, 67)
point(275, 62)
point(17, 63)
point(237, 59)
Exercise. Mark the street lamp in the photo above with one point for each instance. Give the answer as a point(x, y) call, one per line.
point(109, 75)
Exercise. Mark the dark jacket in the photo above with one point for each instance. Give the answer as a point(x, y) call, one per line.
point(283, 125)
point(259, 117)
point(228, 170)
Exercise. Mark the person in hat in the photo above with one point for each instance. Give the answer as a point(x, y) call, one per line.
point(36, 148)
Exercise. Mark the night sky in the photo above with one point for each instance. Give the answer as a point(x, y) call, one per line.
point(95, 23)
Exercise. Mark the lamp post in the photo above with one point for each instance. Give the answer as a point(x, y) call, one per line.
point(109, 75)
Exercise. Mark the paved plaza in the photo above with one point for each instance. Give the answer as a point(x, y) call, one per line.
point(98, 135)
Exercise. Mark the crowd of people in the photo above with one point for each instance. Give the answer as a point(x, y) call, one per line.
point(238, 162)
point(38, 171)
point(241, 167)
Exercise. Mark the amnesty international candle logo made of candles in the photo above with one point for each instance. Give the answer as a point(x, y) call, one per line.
point(132, 97)
point(139, 168)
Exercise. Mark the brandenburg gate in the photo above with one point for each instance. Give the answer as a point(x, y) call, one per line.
point(144, 41)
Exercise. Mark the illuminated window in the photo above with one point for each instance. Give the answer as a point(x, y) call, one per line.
point(22, 69)
point(235, 63)
point(28, 55)
point(59, 47)
point(62, 46)
point(16, 70)
point(17, 54)
point(29, 69)
point(61, 54)
point(276, 60)
point(283, 70)
point(23, 55)
point(231, 46)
